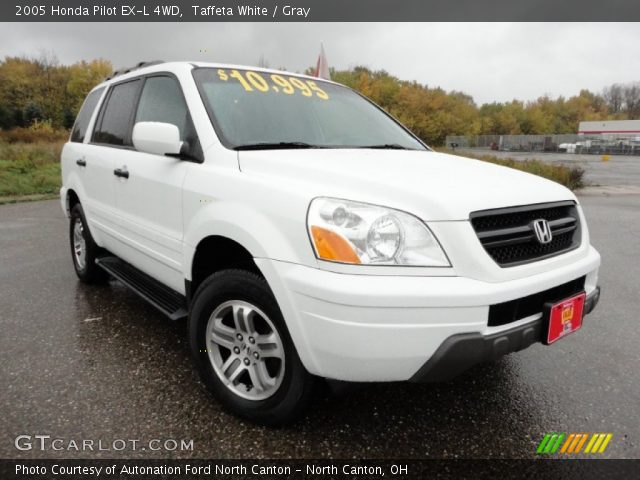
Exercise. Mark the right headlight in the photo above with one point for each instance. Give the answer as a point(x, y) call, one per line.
point(359, 233)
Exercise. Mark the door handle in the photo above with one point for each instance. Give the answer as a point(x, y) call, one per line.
point(81, 162)
point(121, 172)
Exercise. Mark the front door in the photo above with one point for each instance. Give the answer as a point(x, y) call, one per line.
point(149, 189)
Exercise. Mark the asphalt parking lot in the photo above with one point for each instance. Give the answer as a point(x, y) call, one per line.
point(621, 173)
point(82, 362)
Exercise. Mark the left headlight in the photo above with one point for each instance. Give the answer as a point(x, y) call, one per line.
point(359, 233)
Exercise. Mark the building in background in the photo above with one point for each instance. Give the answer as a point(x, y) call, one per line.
point(610, 127)
point(618, 137)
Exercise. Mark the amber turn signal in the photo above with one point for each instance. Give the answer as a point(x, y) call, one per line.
point(333, 247)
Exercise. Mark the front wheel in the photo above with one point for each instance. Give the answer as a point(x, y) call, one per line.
point(243, 349)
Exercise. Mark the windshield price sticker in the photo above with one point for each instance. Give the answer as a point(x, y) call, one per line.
point(273, 83)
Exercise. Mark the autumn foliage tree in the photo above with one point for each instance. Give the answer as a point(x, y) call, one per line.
point(41, 89)
point(433, 113)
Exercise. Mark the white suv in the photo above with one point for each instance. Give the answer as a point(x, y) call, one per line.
point(305, 233)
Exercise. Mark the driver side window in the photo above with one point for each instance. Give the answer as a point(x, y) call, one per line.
point(161, 100)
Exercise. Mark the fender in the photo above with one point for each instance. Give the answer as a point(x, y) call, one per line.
point(248, 227)
point(254, 231)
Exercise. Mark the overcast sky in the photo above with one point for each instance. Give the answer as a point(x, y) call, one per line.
point(490, 61)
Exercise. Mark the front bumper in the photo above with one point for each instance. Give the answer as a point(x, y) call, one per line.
point(461, 351)
point(384, 328)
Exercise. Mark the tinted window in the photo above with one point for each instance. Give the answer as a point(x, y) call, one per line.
point(116, 119)
point(82, 121)
point(162, 101)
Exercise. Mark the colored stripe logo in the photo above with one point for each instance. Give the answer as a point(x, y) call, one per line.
point(573, 443)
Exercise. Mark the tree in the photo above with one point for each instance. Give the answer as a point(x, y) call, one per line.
point(32, 113)
point(6, 119)
point(83, 76)
point(613, 95)
point(42, 89)
point(631, 95)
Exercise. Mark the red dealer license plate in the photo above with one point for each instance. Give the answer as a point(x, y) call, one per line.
point(565, 317)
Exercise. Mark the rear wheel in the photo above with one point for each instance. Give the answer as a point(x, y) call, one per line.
point(244, 351)
point(84, 250)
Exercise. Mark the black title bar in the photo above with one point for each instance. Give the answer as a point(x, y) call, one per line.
point(319, 10)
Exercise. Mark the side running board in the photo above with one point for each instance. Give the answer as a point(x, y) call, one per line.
point(168, 301)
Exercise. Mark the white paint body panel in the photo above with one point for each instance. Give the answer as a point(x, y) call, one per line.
point(360, 323)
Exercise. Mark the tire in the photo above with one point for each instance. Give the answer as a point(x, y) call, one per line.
point(254, 374)
point(84, 250)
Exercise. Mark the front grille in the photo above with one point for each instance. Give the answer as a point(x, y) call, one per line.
point(507, 312)
point(508, 236)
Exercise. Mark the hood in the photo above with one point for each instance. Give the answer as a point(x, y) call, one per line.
point(434, 186)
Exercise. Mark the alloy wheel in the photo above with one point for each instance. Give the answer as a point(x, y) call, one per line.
point(245, 350)
point(79, 244)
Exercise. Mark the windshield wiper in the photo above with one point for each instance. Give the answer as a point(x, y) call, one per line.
point(275, 146)
point(386, 146)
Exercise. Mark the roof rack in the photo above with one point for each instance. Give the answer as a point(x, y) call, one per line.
point(138, 65)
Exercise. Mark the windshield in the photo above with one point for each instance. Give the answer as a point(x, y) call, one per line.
point(255, 110)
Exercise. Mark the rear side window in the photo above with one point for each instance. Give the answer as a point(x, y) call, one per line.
point(84, 116)
point(114, 127)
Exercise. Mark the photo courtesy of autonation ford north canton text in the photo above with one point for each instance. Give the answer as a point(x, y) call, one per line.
point(310, 238)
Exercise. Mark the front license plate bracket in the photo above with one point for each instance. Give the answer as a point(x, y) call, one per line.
point(563, 317)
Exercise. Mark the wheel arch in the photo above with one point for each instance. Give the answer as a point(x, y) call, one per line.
point(246, 231)
point(71, 200)
point(214, 253)
point(74, 195)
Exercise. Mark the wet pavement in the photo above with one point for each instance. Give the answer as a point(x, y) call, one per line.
point(97, 363)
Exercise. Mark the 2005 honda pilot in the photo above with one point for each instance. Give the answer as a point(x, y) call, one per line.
point(307, 234)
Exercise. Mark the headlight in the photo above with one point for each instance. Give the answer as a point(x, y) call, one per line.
point(351, 232)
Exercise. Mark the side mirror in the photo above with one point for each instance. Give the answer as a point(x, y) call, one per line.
point(157, 138)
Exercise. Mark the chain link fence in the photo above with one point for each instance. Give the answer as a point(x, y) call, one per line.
point(615, 144)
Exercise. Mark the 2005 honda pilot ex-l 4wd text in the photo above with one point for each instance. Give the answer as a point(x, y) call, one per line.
point(307, 234)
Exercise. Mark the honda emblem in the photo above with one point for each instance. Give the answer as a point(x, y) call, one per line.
point(542, 230)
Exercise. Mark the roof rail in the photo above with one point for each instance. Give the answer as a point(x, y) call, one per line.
point(138, 65)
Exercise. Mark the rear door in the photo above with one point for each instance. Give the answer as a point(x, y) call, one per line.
point(109, 142)
point(149, 200)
